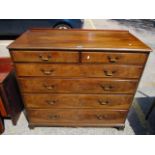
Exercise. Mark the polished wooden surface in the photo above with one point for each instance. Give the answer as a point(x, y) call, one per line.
point(102, 101)
point(114, 58)
point(78, 77)
point(45, 56)
point(77, 57)
point(79, 39)
point(98, 85)
point(96, 116)
point(76, 70)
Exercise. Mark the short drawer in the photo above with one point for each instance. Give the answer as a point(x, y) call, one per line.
point(78, 70)
point(86, 116)
point(45, 56)
point(114, 57)
point(77, 101)
point(86, 85)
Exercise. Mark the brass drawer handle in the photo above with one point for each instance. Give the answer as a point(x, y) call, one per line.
point(107, 87)
point(44, 58)
point(54, 117)
point(102, 102)
point(50, 102)
point(113, 59)
point(51, 87)
point(101, 117)
point(109, 73)
point(47, 72)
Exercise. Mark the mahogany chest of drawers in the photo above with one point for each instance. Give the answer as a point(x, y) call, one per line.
point(78, 77)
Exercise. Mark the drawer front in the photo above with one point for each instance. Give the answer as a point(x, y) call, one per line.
point(45, 56)
point(75, 70)
point(85, 116)
point(113, 57)
point(87, 85)
point(77, 101)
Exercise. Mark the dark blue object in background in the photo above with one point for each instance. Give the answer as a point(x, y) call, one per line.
point(15, 27)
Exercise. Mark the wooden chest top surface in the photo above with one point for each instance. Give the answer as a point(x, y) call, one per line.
point(76, 39)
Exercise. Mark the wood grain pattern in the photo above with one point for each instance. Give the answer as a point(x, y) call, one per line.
point(70, 116)
point(52, 39)
point(74, 101)
point(114, 57)
point(78, 77)
point(45, 56)
point(97, 85)
point(77, 70)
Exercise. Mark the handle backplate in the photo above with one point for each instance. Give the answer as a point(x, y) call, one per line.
point(45, 57)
